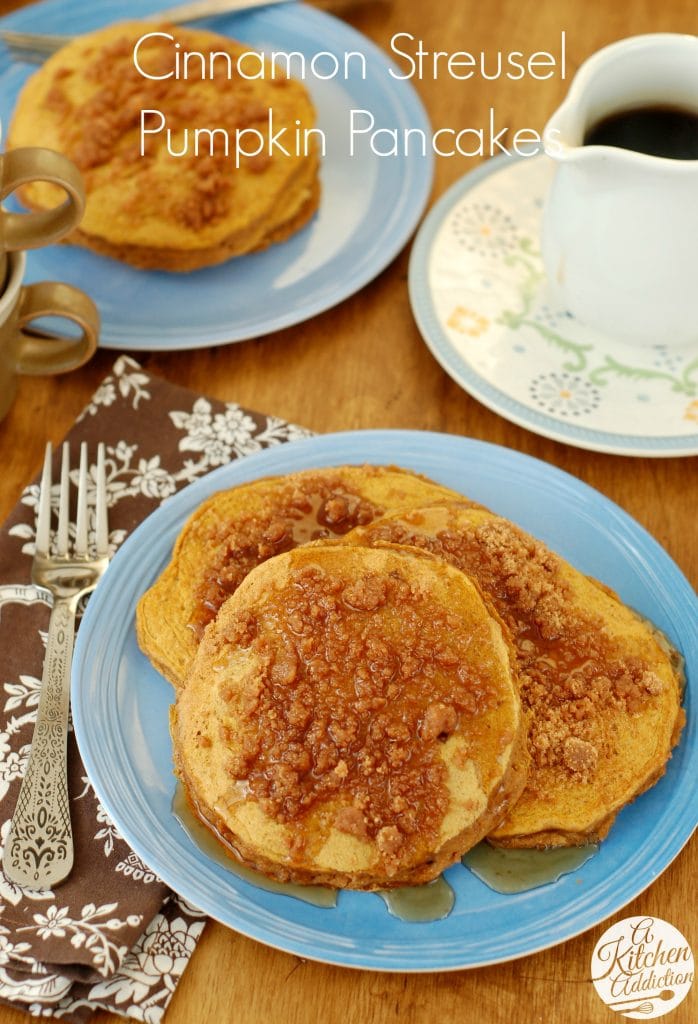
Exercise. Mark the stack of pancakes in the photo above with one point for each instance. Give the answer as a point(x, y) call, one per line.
point(374, 673)
point(174, 202)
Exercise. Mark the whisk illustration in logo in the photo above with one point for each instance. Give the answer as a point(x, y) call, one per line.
point(642, 967)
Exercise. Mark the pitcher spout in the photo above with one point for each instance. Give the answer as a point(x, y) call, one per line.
point(661, 68)
point(563, 135)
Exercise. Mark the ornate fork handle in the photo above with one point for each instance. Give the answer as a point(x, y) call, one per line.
point(39, 848)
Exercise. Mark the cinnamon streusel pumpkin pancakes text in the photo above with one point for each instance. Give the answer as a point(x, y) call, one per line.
point(351, 718)
point(156, 199)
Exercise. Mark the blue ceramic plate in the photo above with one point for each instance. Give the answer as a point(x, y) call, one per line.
point(120, 707)
point(369, 206)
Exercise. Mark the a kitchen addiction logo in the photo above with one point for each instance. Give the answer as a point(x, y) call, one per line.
point(642, 967)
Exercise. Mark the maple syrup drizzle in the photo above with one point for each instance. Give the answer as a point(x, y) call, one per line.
point(504, 871)
point(430, 902)
point(510, 871)
point(216, 850)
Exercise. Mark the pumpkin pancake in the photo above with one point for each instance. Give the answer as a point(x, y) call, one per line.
point(172, 201)
point(235, 530)
point(351, 718)
point(600, 686)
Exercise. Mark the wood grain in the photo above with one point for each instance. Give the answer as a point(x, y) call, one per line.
point(361, 365)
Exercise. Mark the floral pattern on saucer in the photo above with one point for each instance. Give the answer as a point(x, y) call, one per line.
point(480, 297)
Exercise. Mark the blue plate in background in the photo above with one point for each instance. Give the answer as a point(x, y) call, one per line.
point(120, 709)
point(368, 209)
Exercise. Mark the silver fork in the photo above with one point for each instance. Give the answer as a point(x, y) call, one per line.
point(37, 46)
point(39, 849)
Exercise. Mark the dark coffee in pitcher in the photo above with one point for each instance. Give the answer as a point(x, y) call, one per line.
point(658, 130)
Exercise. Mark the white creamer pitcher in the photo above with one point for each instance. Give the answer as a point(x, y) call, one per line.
point(620, 228)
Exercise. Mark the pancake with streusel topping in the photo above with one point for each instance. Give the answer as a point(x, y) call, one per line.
point(600, 686)
point(235, 530)
point(352, 718)
point(162, 191)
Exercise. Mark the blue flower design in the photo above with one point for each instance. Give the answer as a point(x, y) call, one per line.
point(482, 228)
point(564, 394)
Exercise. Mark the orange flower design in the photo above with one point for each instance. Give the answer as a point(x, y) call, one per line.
point(468, 321)
point(691, 412)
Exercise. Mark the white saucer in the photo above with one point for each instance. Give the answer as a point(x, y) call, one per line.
point(479, 296)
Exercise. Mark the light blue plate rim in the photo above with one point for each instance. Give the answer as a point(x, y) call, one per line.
point(120, 716)
point(404, 185)
point(463, 373)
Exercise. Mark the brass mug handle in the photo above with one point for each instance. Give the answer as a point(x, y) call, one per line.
point(29, 230)
point(39, 353)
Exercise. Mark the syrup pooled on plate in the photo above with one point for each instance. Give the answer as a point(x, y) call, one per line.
point(215, 848)
point(428, 902)
point(510, 871)
point(666, 131)
point(505, 871)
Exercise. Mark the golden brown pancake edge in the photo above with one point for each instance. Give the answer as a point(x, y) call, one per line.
point(157, 210)
point(591, 770)
point(214, 724)
point(252, 512)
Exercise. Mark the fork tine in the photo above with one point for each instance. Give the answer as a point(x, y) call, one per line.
point(27, 55)
point(64, 502)
point(43, 518)
point(81, 521)
point(32, 42)
point(101, 525)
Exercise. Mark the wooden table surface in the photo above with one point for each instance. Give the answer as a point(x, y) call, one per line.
point(363, 364)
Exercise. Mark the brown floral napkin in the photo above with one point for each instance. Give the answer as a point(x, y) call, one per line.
point(113, 936)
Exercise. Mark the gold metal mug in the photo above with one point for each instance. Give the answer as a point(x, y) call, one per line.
point(25, 352)
point(29, 230)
